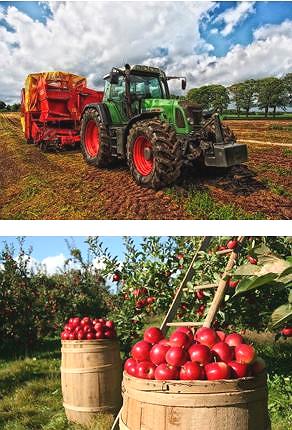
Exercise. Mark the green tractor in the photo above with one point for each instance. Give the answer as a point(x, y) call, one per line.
point(139, 122)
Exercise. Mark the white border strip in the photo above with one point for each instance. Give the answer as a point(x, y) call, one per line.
point(147, 228)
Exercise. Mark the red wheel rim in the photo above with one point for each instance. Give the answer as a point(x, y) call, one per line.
point(143, 163)
point(92, 138)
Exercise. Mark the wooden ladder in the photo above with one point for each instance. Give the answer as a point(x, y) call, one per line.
point(217, 300)
point(219, 293)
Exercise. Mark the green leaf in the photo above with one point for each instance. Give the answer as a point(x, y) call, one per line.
point(248, 284)
point(281, 315)
point(262, 250)
point(246, 270)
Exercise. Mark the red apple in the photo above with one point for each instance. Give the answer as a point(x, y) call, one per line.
point(252, 260)
point(221, 335)
point(90, 335)
point(153, 335)
point(232, 283)
point(116, 277)
point(200, 353)
point(186, 330)
point(72, 336)
point(234, 339)
point(258, 366)
point(110, 324)
point(109, 333)
point(128, 363)
point(99, 334)
point(141, 351)
point(145, 370)
point(215, 371)
point(158, 352)
point(65, 335)
point(164, 342)
point(165, 372)
point(86, 328)
point(76, 322)
point(150, 300)
point(222, 352)
point(101, 320)
point(176, 356)
point(178, 338)
point(80, 335)
point(231, 244)
point(131, 366)
point(98, 326)
point(200, 294)
point(85, 321)
point(245, 353)
point(206, 336)
point(68, 328)
point(287, 331)
point(238, 370)
point(190, 371)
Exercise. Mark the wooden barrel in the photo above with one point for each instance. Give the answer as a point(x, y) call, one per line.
point(91, 374)
point(238, 404)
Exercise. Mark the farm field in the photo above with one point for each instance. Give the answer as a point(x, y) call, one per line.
point(36, 185)
point(31, 398)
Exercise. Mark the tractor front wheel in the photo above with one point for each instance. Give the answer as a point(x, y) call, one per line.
point(93, 136)
point(153, 153)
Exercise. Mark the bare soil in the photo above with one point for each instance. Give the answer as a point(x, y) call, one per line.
point(36, 185)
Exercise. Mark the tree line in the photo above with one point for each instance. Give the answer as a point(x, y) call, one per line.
point(263, 94)
point(15, 107)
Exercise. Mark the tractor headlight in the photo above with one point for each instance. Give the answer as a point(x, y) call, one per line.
point(179, 118)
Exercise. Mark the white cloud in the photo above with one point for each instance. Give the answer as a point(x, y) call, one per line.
point(231, 17)
point(90, 37)
point(270, 31)
point(54, 263)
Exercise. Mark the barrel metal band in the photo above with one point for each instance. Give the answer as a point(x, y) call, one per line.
point(88, 408)
point(196, 400)
point(89, 369)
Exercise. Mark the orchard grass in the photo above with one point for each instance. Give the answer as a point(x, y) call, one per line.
point(31, 397)
point(201, 205)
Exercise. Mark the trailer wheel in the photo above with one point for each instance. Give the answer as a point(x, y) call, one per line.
point(153, 153)
point(94, 140)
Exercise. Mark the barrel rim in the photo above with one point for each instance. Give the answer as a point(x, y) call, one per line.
point(173, 385)
point(89, 342)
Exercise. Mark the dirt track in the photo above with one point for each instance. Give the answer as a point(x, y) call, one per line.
point(36, 185)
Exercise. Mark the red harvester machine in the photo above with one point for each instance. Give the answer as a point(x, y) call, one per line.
point(51, 108)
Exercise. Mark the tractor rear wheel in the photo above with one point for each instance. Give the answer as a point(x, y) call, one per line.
point(94, 141)
point(153, 153)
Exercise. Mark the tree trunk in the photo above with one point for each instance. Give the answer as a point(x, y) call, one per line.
point(266, 111)
point(274, 111)
point(246, 112)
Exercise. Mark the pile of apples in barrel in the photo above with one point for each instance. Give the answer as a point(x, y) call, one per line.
point(87, 328)
point(205, 354)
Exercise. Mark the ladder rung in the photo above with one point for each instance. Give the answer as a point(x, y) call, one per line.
point(201, 287)
point(224, 251)
point(184, 324)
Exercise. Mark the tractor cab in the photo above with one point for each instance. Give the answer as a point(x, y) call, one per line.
point(129, 87)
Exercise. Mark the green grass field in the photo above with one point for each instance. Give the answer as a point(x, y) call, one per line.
point(253, 116)
point(31, 398)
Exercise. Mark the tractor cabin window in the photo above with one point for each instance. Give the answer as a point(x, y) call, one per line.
point(148, 87)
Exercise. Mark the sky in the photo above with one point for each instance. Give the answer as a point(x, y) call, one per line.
point(52, 251)
point(209, 42)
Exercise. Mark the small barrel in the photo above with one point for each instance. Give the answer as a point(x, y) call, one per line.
point(238, 404)
point(91, 374)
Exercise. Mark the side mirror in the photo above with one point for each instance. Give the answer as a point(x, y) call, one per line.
point(183, 84)
point(114, 77)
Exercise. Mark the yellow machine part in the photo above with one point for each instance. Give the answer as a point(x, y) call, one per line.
point(31, 92)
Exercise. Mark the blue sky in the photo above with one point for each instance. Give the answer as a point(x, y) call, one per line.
point(45, 246)
point(209, 42)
